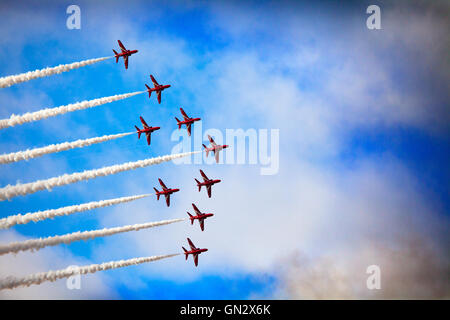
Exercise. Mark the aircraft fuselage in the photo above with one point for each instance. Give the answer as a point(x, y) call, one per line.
point(168, 191)
point(203, 216)
point(217, 148)
point(192, 120)
point(197, 251)
point(209, 183)
point(159, 88)
point(149, 129)
point(126, 53)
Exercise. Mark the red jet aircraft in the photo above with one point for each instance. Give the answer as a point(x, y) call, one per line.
point(200, 216)
point(157, 87)
point(165, 191)
point(187, 121)
point(206, 182)
point(194, 251)
point(214, 148)
point(147, 130)
point(125, 54)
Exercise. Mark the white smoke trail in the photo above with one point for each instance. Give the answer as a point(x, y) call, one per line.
point(36, 244)
point(10, 191)
point(10, 80)
point(11, 221)
point(38, 278)
point(53, 148)
point(51, 112)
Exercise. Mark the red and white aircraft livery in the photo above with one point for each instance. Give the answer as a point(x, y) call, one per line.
point(157, 88)
point(147, 130)
point(165, 192)
point(200, 217)
point(206, 182)
point(125, 54)
point(214, 148)
point(187, 121)
point(194, 251)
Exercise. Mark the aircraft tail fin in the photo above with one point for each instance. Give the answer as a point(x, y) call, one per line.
point(185, 252)
point(138, 132)
point(191, 217)
point(198, 184)
point(206, 149)
point(157, 193)
point(179, 124)
point(117, 55)
point(149, 91)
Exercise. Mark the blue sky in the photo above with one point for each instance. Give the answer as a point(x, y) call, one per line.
point(364, 143)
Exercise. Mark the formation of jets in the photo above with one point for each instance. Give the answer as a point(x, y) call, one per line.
point(200, 216)
point(188, 122)
point(148, 130)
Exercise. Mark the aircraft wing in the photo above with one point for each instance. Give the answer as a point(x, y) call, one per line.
point(196, 259)
point(121, 45)
point(202, 223)
point(216, 155)
point(155, 83)
point(125, 59)
point(188, 126)
point(191, 244)
point(162, 184)
point(148, 134)
point(167, 199)
point(212, 141)
point(143, 122)
point(185, 116)
point(204, 175)
point(196, 209)
point(208, 188)
point(158, 95)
